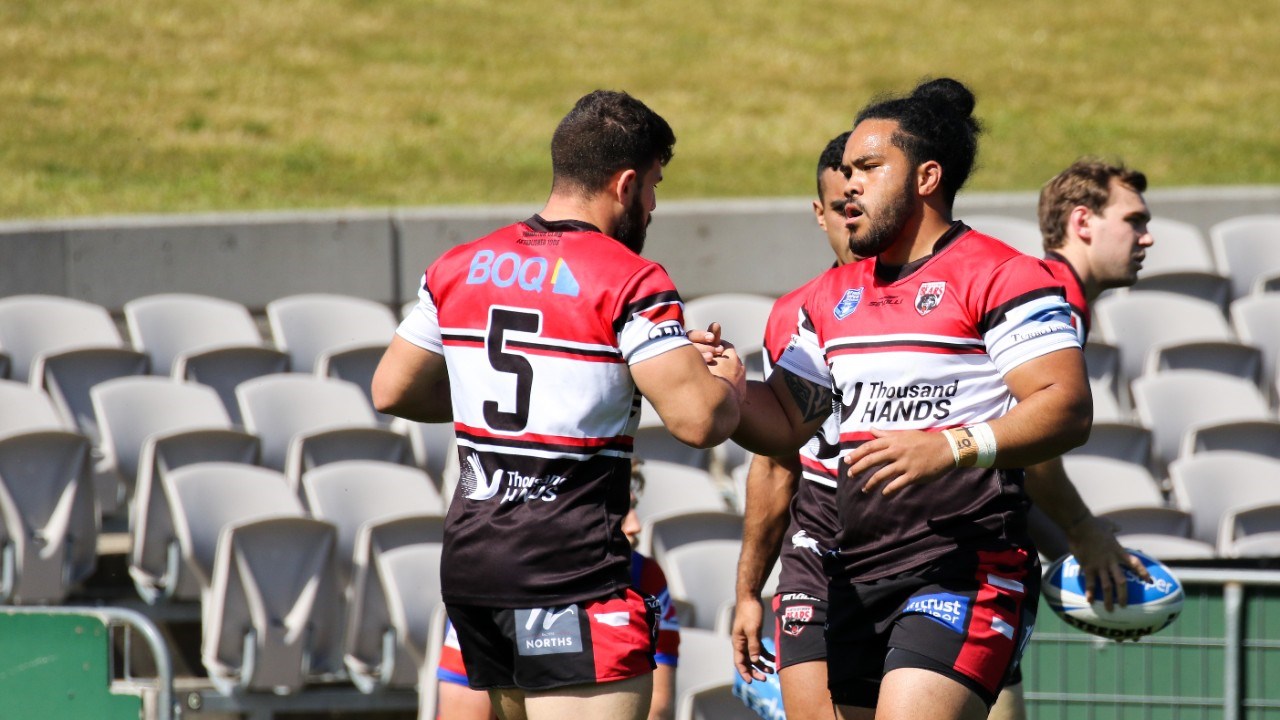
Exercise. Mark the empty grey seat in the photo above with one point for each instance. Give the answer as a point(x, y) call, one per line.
point(1118, 440)
point(351, 493)
point(1254, 318)
point(1168, 547)
point(271, 618)
point(1250, 531)
point(702, 573)
point(1246, 249)
point(670, 488)
point(305, 421)
point(1260, 437)
point(704, 678)
point(1171, 403)
point(1159, 330)
point(1208, 485)
point(311, 327)
point(433, 445)
point(1181, 262)
point(65, 347)
point(153, 425)
point(48, 521)
point(204, 339)
point(662, 533)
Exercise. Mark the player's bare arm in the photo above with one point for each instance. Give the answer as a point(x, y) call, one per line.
point(698, 401)
point(780, 414)
point(412, 383)
point(1053, 415)
point(771, 483)
point(1091, 539)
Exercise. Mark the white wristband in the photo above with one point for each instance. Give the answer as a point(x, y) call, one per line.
point(986, 444)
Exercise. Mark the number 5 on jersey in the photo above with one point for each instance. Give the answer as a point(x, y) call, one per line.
point(502, 321)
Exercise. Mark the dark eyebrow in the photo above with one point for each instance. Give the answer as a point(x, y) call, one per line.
point(862, 159)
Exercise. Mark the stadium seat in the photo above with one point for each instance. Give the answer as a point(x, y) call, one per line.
point(1171, 403)
point(271, 618)
point(395, 616)
point(1208, 485)
point(204, 339)
point(1250, 531)
point(150, 426)
point(305, 421)
point(332, 335)
point(1159, 330)
point(1117, 440)
point(1245, 249)
point(1102, 362)
point(65, 347)
point(1180, 262)
point(205, 497)
point(1023, 235)
point(704, 678)
point(432, 443)
point(24, 408)
point(742, 318)
point(5, 363)
point(1107, 484)
point(1168, 547)
point(703, 573)
point(1254, 318)
point(1260, 437)
point(48, 522)
point(351, 493)
point(660, 534)
point(671, 488)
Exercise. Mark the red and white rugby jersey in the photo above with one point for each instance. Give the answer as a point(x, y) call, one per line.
point(813, 524)
point(1073, 286)
point(538, 323)
point(925, 347)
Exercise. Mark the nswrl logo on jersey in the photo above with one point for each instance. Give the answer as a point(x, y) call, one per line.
point(848, 303)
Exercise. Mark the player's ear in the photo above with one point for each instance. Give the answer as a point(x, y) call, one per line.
point(928, 178)
point(1078, 222)
point(819, 214)
point(623, 185)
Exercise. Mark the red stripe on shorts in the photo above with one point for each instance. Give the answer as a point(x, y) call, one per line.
point(620, 637)
point(987, 652)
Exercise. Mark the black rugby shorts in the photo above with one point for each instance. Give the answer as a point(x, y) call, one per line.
point(798, 631)
point(595, 641)
point(966, 618)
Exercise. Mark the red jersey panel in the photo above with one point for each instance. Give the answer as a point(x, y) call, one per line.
point(538, 323)
point(925, 347)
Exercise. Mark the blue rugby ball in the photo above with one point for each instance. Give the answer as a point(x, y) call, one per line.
point(1152, 606)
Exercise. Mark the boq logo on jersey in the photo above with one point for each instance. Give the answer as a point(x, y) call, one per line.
point(930, 296)
point(795, 617)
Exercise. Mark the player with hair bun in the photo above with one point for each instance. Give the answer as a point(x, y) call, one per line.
point(950, 361)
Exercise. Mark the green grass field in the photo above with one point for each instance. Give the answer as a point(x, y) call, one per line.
point(130, 106)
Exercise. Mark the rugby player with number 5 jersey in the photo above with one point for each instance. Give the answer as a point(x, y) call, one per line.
point(537, 342)
point(950, 361)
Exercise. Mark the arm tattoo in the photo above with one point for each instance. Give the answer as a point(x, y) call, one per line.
point(813, 400)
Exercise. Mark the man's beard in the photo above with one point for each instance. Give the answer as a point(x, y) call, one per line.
point(886, 225)
point(633, 226)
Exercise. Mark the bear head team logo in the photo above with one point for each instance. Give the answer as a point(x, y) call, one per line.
point(930, 296)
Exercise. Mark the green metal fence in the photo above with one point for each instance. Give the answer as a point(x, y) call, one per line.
point(1219, 661)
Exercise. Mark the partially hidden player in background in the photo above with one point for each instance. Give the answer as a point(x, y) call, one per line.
point(1093, 219)
point(456, 699)
point(790, 511)
point(922, 353)
point(537, 341)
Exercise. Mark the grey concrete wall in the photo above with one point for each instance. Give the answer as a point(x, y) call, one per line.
point(767, 246)
point(251, 259)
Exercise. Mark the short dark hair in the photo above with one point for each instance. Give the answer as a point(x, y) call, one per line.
point(607, 131)
point(935, 122)
point(1087, 183)
point(832, 156)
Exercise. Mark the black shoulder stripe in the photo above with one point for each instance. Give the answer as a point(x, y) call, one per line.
point(996, 315)
point(643, 303)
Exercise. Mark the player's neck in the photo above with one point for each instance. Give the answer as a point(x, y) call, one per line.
point(596, 210)
point(918, 238)
point(1077, 256)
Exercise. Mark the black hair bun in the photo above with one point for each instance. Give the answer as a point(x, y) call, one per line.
point(948, 91)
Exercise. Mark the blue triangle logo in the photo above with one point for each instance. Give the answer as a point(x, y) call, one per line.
point(563, 281)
